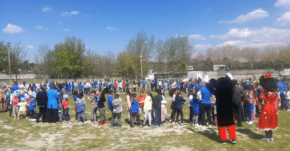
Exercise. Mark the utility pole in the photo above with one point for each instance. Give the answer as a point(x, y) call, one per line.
point(8, 43)
point(141, 68)
point(141, 64)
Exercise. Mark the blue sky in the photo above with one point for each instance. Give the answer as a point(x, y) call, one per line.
point(109, 25)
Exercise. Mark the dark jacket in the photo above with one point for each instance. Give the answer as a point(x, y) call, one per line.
point(102, 99)
point(179, 101)
point(238, 93)
point(41, 99)
point(157, 102)
point(224, 104)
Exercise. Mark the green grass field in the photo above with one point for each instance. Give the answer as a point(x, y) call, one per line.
point(24, 135)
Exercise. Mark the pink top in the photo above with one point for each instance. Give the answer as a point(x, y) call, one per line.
point(128, 102)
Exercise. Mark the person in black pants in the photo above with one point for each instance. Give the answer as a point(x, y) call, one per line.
point(42, 99)
point(179, 101)
point(157, 107)
point(238, 95)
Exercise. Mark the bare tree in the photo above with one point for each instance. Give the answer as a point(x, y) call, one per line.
point(17, 55)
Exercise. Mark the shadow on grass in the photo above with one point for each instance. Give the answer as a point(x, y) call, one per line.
point(211, 134)
point(250, 133)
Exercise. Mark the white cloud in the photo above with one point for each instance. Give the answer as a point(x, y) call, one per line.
point(244, 44)
point(40, 27)
point(47, 8)
point(229, 43)
point(111, 28)
point(254, 15)
point(201, 47)
point(236, 33)
point(197, 37)
point(284, 19)
point(30, 47)
point(70, 13)
point(66, 29)
point(283, 3)
point(12, 29)
point(261, 35)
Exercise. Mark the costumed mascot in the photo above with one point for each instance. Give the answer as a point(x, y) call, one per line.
point(225, 113)
point(268, 120)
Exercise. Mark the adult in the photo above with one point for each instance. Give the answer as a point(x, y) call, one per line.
point(52, 104)
point(282, 85)
point(224, 104)
point(178, 106)
point(80, 86)
point(204, 95)
point(42, 99)
point(14, 87)
point(157, 107)
point(238, 96)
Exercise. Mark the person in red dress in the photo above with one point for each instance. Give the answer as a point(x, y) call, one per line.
point(268, 120)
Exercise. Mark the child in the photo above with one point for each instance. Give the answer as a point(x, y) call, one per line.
point(75, 95)
point(287, 99)
point(81, 102)
point(134, 110)
point(22, 109)
point(117, 110)
point(251, 107)
point(65, 105)
point(31, 108)
point(195, 109)
point(147, 109)
point(27, 98)
point(128, 104)
point(163, 107)
point(134, 86)
point(102, 109)
point(94, 107)
point(190, 102)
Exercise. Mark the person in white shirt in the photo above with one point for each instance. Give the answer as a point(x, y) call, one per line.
point(287, 98)
point(87, 87)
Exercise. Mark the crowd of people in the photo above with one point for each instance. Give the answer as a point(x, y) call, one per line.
point(221, 102)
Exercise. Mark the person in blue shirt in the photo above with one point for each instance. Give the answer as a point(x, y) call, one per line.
point(68, 88)
point(72, 88)
point(96, 85)
point(143, 85)
point(204, 95)
point(134, 111)
point(93, 85)
point(7, 101)
point(80, 86)
point(110, 99)
point(75, 95)
point(52, 104)
point(282, 85)
point(155, 84)
point(100, 85)
point(112, 86)
point(31, 108)
point(14, 87)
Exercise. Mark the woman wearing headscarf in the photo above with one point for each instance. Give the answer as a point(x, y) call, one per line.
point(52, 104)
